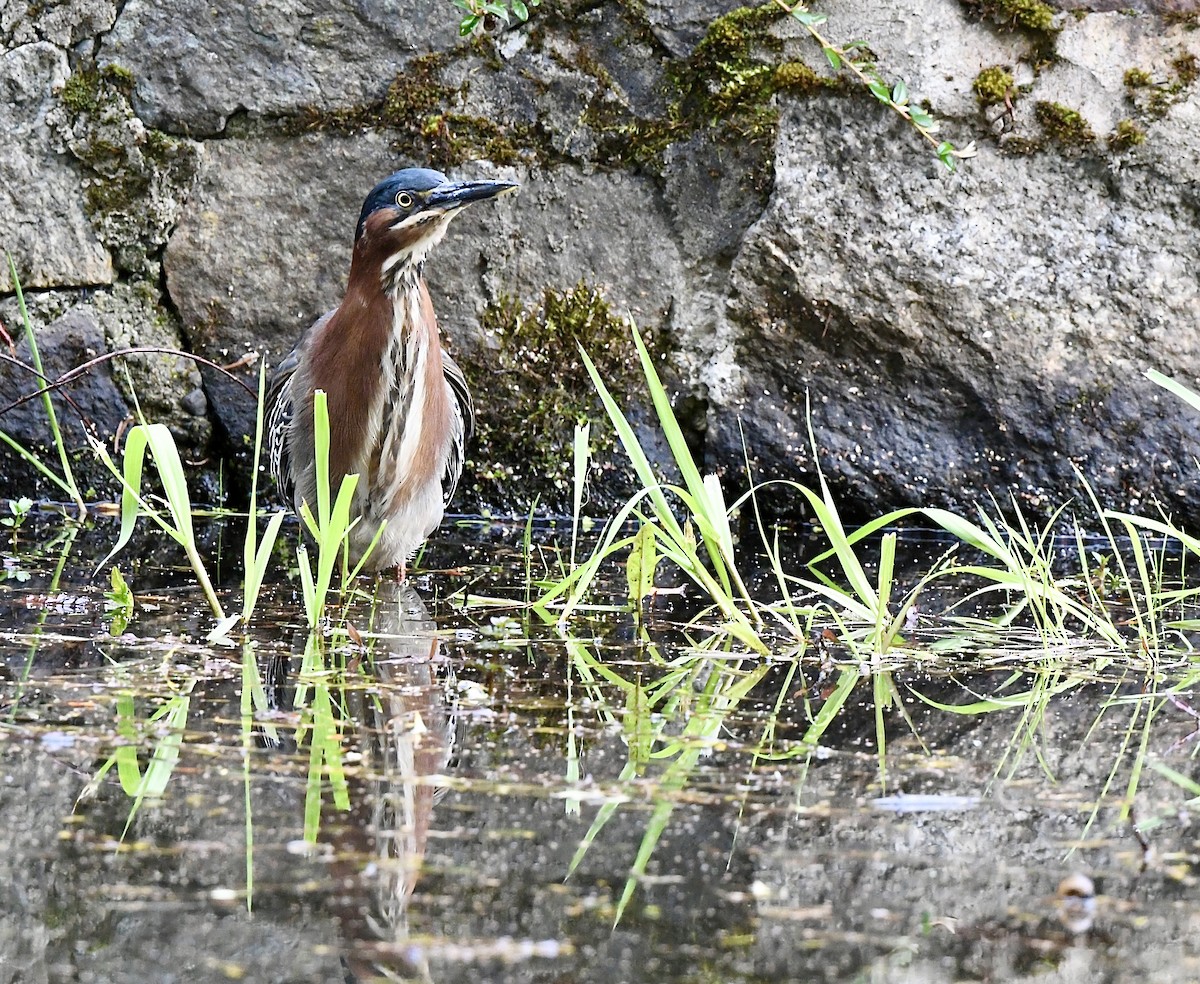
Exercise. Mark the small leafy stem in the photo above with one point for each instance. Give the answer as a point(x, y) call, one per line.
point(895, 97)
point(478, 12)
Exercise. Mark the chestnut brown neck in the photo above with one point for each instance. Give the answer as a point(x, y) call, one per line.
point(347, 361)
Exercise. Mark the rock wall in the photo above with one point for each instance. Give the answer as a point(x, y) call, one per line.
point(189, 174)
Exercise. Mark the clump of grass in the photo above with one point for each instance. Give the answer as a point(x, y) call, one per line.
point(156, 441)
point(702, 547)
point(329, 525)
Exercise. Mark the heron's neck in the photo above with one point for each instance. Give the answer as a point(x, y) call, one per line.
point(403, 282)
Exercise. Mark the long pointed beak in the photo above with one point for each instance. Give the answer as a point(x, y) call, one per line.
point(458, 194)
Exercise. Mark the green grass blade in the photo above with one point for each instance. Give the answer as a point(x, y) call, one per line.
point(633, 449)
point(1178, 389)
point(35, 462)
point(581, 454)
point(68, 482)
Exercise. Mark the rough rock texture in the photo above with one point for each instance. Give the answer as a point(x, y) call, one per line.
point(42, 220)
point(776, 232)
point(197, 62)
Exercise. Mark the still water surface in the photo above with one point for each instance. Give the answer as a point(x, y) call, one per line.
point(407, 803)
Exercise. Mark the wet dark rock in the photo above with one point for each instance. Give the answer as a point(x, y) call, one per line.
point(92, 404)
point(196, 403)
point(943, 355)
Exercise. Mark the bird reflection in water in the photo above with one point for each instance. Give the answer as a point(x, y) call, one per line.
point(402, 726)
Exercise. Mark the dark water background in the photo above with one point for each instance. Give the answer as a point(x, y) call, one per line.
point(476, 755)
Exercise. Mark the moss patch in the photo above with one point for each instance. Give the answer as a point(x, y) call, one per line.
point(1153, 98)
point(993, 85)
point(91, 89)
point(1029, 15)
point(419, 111)
point(1186, 68)
point(135, 176)
point(1137, 78)
point(1064, 124)
point(727, 84)
point(1126, 134)
point(732, 71)
point(538, 390)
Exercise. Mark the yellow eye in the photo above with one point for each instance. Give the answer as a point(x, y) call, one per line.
point(404, 200)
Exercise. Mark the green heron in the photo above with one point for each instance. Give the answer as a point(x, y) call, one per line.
point(400, 412)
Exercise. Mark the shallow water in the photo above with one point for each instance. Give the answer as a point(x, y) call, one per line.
point(469, 750)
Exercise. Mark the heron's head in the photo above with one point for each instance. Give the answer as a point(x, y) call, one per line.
point(408, 212)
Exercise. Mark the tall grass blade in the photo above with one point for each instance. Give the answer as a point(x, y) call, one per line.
point(256, 554)
point(581, 455)
point(68, 483)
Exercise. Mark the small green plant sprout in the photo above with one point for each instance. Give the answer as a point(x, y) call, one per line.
point(18, 511)
point(118, 600)
point(894, 96)
point(477, 13)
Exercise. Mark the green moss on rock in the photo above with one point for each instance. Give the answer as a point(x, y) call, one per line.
point(538, 390)
point(993, 85)
point(1187, 68)
point(1126, 134)
point(422, 114)
point(1137, 78)
point(1031, 14)
point(1153, 99)
point(134, 175)
point(735, 69)
point(726, 88)
point(90, 89)
point(1064, 124)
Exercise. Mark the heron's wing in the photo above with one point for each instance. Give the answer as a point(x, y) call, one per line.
point(280, 411)
point(462, 426)
point(279, 425)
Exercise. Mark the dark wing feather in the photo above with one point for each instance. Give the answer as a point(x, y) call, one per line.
point(279, 421)
point(464, 426)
